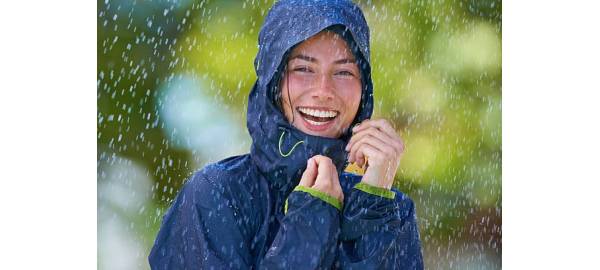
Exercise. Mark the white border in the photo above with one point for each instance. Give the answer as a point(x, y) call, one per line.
point(48, 135)
point(550, 134)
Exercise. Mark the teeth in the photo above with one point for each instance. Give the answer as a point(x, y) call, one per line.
point(318, 113)
point(314, 122)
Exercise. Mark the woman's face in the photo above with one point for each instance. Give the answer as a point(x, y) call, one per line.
point(321, 88)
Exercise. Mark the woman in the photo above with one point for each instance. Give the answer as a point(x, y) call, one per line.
point(288, 204)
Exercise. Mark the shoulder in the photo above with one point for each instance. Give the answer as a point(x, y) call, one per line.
point(219, 196)
point(234, 170)
point(230, 182)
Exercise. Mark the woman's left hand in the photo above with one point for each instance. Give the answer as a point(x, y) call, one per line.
point(376, 143)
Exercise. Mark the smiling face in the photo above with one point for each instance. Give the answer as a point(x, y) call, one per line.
point(321, 88)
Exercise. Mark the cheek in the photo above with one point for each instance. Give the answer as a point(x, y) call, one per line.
point(291, 93)
point(297, 87)
point(351, 96)
point(301, 81)
point(291, 90)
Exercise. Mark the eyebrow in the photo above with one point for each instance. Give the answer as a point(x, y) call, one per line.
point(314, 60)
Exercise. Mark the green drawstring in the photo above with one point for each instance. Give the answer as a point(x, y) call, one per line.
point(293, 147)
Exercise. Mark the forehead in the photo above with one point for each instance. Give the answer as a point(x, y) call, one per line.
point(325, 43)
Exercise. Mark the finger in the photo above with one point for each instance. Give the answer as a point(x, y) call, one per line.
point(358, 156)
point(334, 175)
point(394, 142)
point(359, 127)
point(379, 154)
point(384, 177)
point(324, 165)
point(386, 127)
point(381, 124)
point(380, 146)
point(352, 143)
point(310, 174)
point(364, 124)
point(385, 152)
point(362, 155)
point(337, 185)
point(323, 181)
point(382, 141)
point(328, 180)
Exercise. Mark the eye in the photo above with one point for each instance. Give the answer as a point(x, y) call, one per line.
point(345, 73)
point(302, 69)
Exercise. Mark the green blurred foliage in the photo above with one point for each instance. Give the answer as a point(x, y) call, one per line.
point(437, 70)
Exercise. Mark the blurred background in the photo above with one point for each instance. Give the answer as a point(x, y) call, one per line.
point(172, 86)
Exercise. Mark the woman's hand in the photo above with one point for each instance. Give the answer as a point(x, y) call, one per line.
point(376, 144)
point(320, 174)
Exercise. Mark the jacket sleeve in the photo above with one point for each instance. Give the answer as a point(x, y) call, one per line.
point(309, 233)
point(203, 229)
point(379, 231)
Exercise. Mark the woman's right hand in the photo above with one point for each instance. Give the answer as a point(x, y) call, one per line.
point(321, 174)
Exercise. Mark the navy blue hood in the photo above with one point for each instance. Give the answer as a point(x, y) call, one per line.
point(280, 150)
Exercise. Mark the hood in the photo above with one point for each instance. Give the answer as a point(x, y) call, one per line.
point(280, 150)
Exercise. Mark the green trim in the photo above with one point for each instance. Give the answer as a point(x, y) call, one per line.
point(321, 195)
point(291, 150)
point(382, 192)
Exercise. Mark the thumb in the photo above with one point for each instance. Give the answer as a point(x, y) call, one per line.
point(310, 174)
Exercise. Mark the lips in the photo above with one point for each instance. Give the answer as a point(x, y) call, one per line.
point(317, 119)
point(317, 116)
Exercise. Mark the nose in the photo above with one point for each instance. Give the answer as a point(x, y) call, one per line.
point(324, 89)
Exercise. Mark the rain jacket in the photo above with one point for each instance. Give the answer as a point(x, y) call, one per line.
point(245, 212)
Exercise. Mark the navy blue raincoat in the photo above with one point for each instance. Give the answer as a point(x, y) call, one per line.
point(245, 213)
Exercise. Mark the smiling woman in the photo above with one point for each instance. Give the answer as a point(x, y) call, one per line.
point(322, 86)
point(289, 203)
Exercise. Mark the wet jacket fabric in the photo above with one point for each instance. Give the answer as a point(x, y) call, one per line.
point(245, 212)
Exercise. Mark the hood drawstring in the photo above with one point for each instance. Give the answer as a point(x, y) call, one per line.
point(280, 142)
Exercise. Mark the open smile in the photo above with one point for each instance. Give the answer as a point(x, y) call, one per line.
point(317, 119)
